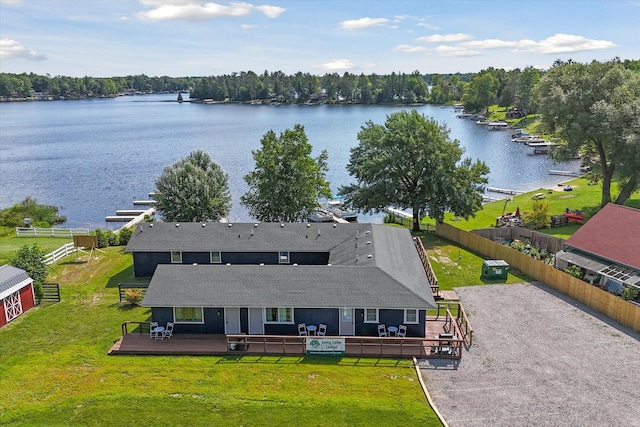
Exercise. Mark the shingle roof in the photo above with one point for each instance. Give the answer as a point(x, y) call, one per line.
point(613, 234)
point(362, 257)
point(11, 278)
point(278, 286)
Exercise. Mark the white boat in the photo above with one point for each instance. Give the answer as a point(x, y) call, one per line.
point(337, 208)
point(498, 125)
point(321, 215)
point(483, 122)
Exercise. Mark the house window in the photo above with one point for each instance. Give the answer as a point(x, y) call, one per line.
point(176, 257)
point(370, 315)
point(188, 315)
point(12, 306)
point(279, 315)
point(216, 258)
point(284, 257)
point(411, 315)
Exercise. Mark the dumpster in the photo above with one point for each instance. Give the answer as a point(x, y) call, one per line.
point(494, 269)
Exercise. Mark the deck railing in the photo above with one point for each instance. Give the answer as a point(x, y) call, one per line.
point(460, 320)
point(431, 276)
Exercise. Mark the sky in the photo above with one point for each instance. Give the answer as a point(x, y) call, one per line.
point(178, 38)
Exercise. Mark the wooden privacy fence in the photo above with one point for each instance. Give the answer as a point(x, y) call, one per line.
point(540, 240)
point(624, 312)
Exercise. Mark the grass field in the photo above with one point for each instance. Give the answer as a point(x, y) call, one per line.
point(54, 371)
point(10, 244)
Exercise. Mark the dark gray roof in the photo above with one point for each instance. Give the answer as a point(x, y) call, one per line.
point(10, 277)
point(278, 286)
point(358, 254)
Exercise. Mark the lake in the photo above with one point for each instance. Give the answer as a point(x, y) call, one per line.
point(92, 157)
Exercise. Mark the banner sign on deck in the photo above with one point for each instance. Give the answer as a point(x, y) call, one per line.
point(325, 346)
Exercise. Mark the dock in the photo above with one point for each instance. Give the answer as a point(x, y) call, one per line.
point(564, 173)
point(130, 217)
point(504, 191)
point(397, 212)
point(144, 202)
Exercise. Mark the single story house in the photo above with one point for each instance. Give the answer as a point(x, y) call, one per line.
point(266, 278)
point(607, 248)
point(16, 293)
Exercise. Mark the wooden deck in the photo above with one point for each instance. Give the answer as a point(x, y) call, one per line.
point(192, 344)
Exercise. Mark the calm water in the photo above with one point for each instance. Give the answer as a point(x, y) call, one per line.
point(92, 157)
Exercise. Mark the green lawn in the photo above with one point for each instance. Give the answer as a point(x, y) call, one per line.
point(9, 244)
point(54, 371)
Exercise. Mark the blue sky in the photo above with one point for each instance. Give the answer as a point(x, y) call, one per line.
point(105, 38)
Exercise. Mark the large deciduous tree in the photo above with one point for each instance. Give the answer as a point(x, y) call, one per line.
point(193, 189)
point(287, 182)
point(595, 107)
point(410, 162)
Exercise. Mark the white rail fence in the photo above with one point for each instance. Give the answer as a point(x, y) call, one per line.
point(50, 232)
point(59, 253)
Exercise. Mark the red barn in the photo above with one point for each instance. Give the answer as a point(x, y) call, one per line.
point(16, 293)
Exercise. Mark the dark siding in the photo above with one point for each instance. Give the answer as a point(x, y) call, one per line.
point(145, 263)
point(280, 329)
point(252, 258)
point(214, 324)
point(244, 320)
point(315, 316)
point(196, 257)
point(309, 258)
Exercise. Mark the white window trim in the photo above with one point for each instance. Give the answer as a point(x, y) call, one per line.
point(417, 316)
point(277, 322)
point(280, 261)
point(219, 257)
point(377, 315)
point(176, 262)
point(187, 322)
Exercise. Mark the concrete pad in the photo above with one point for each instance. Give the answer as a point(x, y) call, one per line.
point(538, 358)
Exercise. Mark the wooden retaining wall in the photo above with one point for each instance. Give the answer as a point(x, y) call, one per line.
point(624, 312)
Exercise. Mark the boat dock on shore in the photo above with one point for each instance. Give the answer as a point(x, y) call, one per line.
point(504, 191)
point(564, 173)
point(130, 217)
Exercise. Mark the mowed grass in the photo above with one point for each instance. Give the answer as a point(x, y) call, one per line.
point(54, 371)
point(9, 244)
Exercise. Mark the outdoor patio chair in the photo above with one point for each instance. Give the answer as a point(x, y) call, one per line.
point(152, 333)
point(322, 329)
point(402, 331)
point(168, 331)
point(302, 329)
point(382, 330)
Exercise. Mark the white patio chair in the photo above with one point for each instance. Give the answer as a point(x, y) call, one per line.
point(168, 331)
point(152, 333)
point(382, 330)
point(302, 329)
point(322, 329)
point(402, 331)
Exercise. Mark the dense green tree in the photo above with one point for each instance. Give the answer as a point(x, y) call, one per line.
point(410, 162)
point(40, 215)
point(526, 96)
point(481, 92)
point(193, 189)
point(596, 107)
point(30, 259)
point(287, 182)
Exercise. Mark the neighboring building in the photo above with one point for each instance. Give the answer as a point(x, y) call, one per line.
point(16, 293)
point(607, 248)
point(266, 278)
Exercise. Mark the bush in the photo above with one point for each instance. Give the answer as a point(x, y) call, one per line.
point(630, 293)
point(125, 235)
point(574, 270)
point(389, 218)
point(29, 258)
point(133, 296)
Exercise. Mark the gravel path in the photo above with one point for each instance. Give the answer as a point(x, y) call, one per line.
point(538, 358)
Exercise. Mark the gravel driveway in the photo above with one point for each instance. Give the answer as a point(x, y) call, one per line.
point(538, 358)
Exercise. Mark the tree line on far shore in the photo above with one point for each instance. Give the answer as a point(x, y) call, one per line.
point(514, 88)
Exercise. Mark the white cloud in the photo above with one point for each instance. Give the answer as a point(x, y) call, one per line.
point(10, 1)
point(428, 26)
point(362, 23)
point(248, 27)
point(560, 43)
point(567, 43)
point(445, 38)
point(11, 49)
point(456, 51)
point(336, 65)
point(410, 49)
point(195, 11)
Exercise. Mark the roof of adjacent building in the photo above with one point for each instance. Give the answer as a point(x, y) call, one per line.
point(11, 279)
point(612, 234)
point(370, 265)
